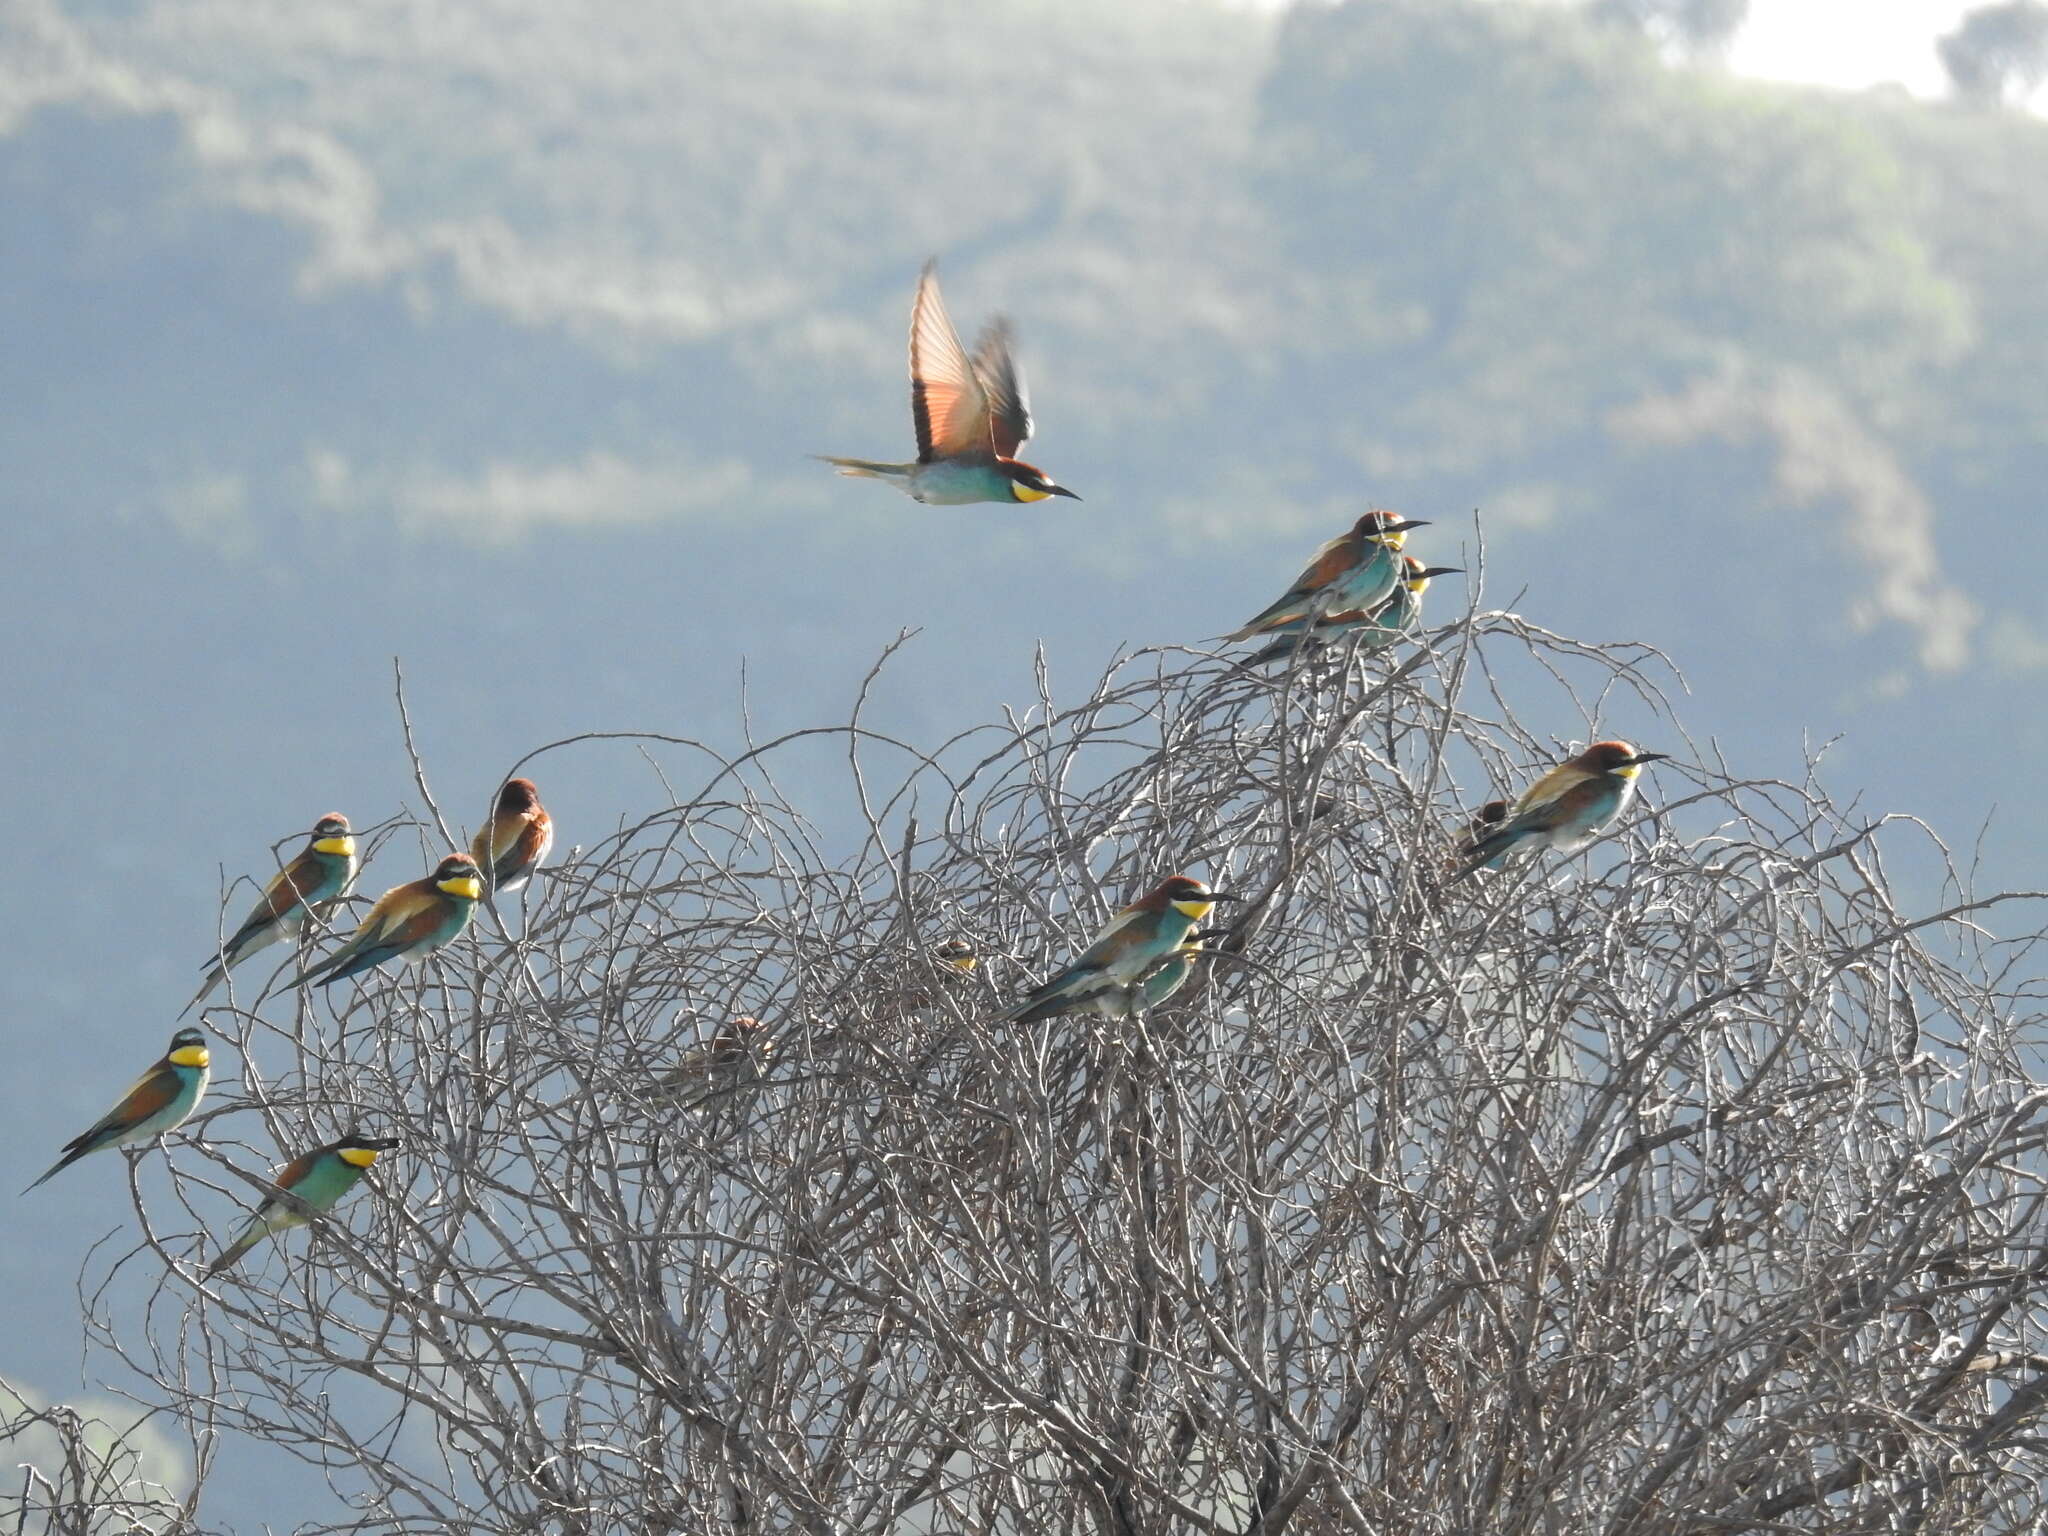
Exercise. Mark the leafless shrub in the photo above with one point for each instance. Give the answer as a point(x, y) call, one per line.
point(75, 1474)
point(1688, 1186)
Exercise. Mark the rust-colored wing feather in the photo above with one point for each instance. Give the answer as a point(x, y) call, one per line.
point(499, 839)
point(946, 401)
point(287, 888)
point(295, 1170)
point(1551, 787)
point(1002, 385)
point(152, 1091)
point(1328, 563)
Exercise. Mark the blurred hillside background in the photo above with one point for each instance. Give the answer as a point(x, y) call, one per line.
point(493, 337)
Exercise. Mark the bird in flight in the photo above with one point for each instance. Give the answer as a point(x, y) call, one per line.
point(970, 412)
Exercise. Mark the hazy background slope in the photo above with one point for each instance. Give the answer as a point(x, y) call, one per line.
point(493, 338)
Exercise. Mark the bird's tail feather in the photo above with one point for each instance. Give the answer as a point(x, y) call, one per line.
point(865, 468)
point(1485, 854)
point(232, 1252)
point(58, 1167)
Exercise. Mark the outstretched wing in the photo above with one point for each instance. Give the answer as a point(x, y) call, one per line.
point(946, 400)
point(1002, 385)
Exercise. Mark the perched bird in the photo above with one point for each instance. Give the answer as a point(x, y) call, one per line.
point(957, 953)
point(1485, 819)
point(1482, 826)
point(1353, 573)
point(1118, 969)
point(713, 1066)
point(1166, 977)
point(319, 875)
point(970, 413)
point(1391, 621)
point(161, 1100)
point(317, 1179)
point(1565, 809)
point(408, 923)
point(511, 845)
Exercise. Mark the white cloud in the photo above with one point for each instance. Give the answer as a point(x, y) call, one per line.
point(505, 500)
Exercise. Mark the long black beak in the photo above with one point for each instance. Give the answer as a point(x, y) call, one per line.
point(1409, 522)
point(1439, 570)
point(1061, 490)
point(1647, 757)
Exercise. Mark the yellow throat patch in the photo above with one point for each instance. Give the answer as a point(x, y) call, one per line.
point(1026, 493)
point(468, 887)
point(357, 1157)
point(340, 847)
point(190, 1056)
point(1194, 911)
point(1629, 772)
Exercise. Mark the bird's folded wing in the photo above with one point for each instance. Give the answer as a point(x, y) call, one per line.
point(1130, 929)
point(946, 400)
point(496, 844)
point(402, 913)
point(152, 1091)
point(1002, 384)
point(292, 1172)
point(1327, 564)
point(288, 888)
point(1557, 797)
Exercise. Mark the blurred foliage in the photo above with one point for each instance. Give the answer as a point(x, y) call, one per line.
point(1999, 55)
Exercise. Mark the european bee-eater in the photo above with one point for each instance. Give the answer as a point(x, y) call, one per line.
point(1565, 809)
point(408, 923)
point(1165, 978)
point(1393, 620)
point(1353, 573)
point(161, 1100)
point(1143, 938)
point(317, 1179)
point(319, 874)
point(957, 953)
point(970, 413)
point(511, 845)
point(711, 1066)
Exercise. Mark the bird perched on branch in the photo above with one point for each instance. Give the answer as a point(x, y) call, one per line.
point(510, 846)
point(1142, 957)
point(162, 1099)
point(1565, 809)
point(311, 1185)
point(713, 1066)
point(408, 923)
point(1394, 619)
point(319, 875)
point(1485, 821)
point(958, 954)
point(1353, 573)
point(971, 415)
